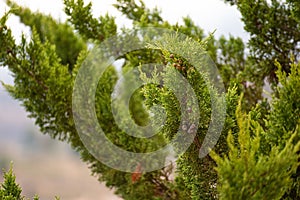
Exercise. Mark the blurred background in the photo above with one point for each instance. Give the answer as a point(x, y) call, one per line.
point(51, 168)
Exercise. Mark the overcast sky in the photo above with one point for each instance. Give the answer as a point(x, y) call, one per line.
point(209, 14)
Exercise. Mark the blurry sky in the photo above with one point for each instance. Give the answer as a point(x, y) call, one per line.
point(209, 14)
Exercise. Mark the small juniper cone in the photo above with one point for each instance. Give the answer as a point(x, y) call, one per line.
point(136, 175)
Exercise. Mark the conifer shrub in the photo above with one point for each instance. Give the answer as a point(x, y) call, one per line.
point(253, 149)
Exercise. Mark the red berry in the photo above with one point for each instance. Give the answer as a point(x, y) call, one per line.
point(136, 175)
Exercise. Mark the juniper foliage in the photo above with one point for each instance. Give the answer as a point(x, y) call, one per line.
point(257, 154)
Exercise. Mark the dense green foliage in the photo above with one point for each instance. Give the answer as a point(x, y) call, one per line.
point(257, 154)
point(262, 154)
point(274, 34)
point(9, 188)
